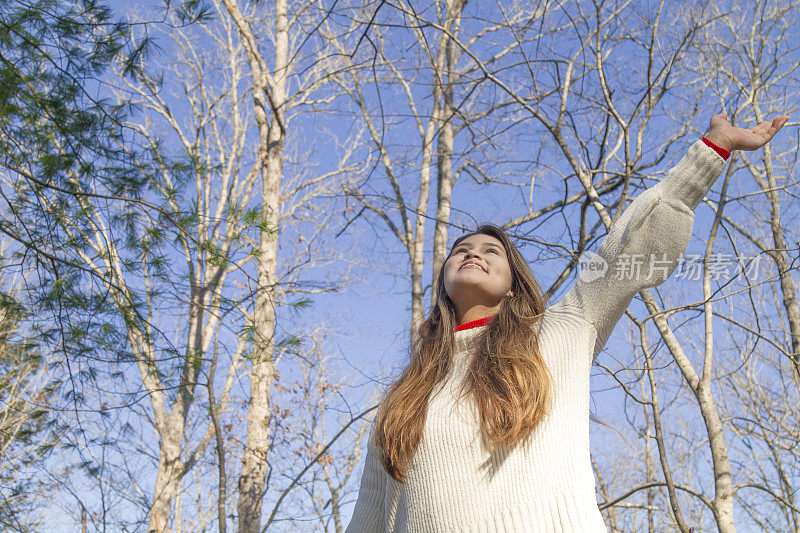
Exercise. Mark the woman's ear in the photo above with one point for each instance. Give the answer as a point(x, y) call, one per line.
point(510, 294)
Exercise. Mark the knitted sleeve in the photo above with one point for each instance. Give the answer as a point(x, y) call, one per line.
point(645, 244)
point(368, 514)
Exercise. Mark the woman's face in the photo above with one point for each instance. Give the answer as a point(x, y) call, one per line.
point(477, 273)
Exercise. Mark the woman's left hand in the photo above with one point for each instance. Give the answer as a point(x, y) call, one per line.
point(724, 135)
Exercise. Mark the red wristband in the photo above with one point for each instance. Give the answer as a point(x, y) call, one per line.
point(724, 154)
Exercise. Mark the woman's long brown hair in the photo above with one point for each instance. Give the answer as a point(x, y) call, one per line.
point(507, 378)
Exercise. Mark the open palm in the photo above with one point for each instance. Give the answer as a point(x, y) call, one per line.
point(729, 137)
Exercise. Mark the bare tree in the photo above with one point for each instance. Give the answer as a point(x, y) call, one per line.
point(317, 454)
point(192, 271)
point(273, 100)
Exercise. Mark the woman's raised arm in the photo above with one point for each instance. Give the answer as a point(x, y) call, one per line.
point(645, 244)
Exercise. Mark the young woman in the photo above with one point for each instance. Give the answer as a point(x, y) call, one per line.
point(487, 429)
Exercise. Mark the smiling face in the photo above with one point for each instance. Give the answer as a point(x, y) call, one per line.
point(477, 276)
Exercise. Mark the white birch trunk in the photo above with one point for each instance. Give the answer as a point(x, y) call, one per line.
point(270, 112)
point(444, 154)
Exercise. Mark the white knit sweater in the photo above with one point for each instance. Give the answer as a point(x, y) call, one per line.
point(546, 484)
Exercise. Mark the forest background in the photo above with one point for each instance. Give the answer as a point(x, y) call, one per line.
point(220, 219)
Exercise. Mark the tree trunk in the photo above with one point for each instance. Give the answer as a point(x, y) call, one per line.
point(780, 252)
point(170, 470)
point(445, 143)
point(272, 136)
point(723, 481)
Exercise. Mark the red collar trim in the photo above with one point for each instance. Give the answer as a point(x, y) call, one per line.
point(474, 323)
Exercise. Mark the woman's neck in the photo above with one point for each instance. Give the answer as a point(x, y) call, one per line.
point(477, 312)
